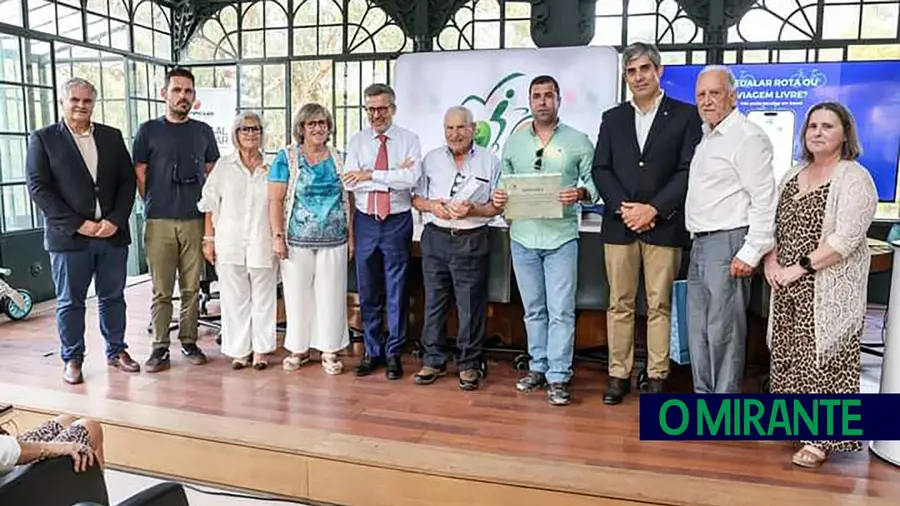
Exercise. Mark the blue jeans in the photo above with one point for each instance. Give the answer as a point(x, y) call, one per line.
point(547, 280)
point(72, 275)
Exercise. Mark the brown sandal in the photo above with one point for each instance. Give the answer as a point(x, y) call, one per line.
point(809, 456)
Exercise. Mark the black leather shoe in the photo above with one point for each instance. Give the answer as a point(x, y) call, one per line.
point(394, 368)
point(616, 391)
point(367, 365)
point(655, 386)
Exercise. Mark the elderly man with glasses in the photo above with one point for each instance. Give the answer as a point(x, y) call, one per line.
point(381, 169)
point(454, 194)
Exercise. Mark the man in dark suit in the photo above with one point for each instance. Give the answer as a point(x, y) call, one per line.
point(641, 164)
point(80, 176)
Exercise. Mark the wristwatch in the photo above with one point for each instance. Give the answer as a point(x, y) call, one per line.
point(806, 263)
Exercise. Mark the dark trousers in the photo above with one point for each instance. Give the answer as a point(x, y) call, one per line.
point(455, 265)
point(382, 263)
point(72, 275)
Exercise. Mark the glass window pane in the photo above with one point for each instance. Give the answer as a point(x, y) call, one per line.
point(253, 44)
point(16, 208)
point(276, 42)
point(113, 77)
point(98, 6)
point(251, 80)
point(97, 30)
point(275, 130)
point(41, 108)
point(12, 158)
point(114, 115)
point(118, 35)
point(37, 55)
point(162, 45)
point(10, 62)
point(143, 40)
point(69, 21)
point(12, 11)
point(12, 115)
point(42, 16)
point(274, 85)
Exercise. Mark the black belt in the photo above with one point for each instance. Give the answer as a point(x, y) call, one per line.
point(711, 232)
point(456, 231)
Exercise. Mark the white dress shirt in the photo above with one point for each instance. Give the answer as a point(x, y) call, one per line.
point(361, 152)
point(88, 149)
point(9, 453)
point(239, 201)
point(644, 120)
point(439, 175)
point(731, 184)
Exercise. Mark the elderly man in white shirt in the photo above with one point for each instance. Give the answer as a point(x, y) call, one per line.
point(381, 169)
point(730, 212)
point(454, 195)
point(238, 241)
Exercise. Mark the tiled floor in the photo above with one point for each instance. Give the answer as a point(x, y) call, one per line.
point(123, 485)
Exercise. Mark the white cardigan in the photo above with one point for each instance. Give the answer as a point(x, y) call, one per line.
point(840, 298)
point(9, 453)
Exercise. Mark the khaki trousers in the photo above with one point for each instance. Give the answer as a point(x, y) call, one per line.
point(174, 248)
point(623, 269)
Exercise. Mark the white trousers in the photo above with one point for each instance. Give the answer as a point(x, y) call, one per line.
point(247, 297)
point(315, 299)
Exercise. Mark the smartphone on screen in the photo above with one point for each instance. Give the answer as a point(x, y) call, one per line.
point(780, 127)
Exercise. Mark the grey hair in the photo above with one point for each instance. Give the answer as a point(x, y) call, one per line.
point(303, 115)
point(638, 49)
point(730, 81)
point(239, 120)
point(76, 82)
point(468, 117)
point(373, 90)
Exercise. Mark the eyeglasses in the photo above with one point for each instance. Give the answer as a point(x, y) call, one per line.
point(457, 183)
point(250, 129)
point(321, 123)
point(371, 111)
point(538, 163)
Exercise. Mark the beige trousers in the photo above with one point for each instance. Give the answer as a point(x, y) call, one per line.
point(623, 269)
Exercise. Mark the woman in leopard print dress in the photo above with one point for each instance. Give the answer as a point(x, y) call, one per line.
point(819, 269)
point(80, 439)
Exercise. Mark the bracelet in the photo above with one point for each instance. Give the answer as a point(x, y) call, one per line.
point(43, 454)
point(209, 238)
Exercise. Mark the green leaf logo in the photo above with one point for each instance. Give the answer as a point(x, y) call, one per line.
point(497, 114)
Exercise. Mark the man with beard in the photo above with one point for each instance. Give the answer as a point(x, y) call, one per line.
point(454, 193)
point(172, 156)
point(545, 251)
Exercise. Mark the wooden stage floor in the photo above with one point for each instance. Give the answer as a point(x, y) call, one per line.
point(586, 453)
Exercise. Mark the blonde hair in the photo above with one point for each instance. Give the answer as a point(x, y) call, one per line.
point(239, 121)
point(303, 115)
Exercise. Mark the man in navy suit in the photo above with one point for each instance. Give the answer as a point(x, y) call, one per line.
point(641, 164)
point(80, 175)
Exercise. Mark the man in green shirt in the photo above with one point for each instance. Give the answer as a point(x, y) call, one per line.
point(545, 251)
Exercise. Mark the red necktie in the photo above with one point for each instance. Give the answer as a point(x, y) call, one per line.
point(380, 201)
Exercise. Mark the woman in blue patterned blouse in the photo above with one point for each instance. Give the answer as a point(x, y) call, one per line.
point(310, 219)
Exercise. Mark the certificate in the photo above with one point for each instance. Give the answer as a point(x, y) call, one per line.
point(532, 196)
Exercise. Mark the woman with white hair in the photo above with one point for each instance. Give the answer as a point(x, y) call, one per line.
point(310, 219)
point(238, 241)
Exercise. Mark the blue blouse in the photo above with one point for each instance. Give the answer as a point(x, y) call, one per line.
point(318, 218)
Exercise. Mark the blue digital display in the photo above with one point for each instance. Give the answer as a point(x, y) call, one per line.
point(779, 96)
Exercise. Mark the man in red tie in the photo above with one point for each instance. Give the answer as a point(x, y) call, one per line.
point(380, 171)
